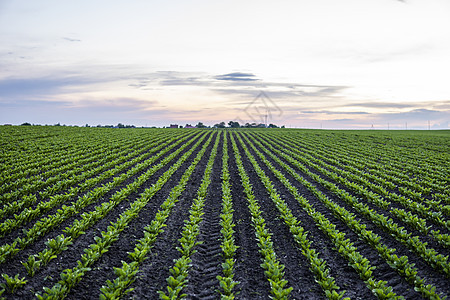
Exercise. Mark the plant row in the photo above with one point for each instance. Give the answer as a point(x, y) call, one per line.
point(62, 164)
point(126, 274)
point(46, 224)
point(88, 219)
point(273, 268)
point(70, 277)
point(434, 259)
point(318, 266)
point(87, 179)
point(178, 279)
point(387, 158)
point(358, 176)
point(41, 165)
point(399, 264)
point(226, 280)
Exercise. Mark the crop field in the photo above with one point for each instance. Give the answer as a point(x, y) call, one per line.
point(102, 213)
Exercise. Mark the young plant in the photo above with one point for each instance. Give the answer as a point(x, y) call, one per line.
point(13, 283)
point(32, 265)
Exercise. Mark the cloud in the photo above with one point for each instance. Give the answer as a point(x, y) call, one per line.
point(240, 95)
point(329, 112)
point(442, 106)
point(419, 114)
point(39, 88)
point(138, 85)
point(415, 118)
point(71, 39)
point(380, 105)
point(24, 103)
point(116, 104)
point(325, 91)
point(342, 120)
point(172, 78)
point(280, 91)
point(64, 97)
point(93, 105)
point(166, 78)
point(444, 124)
point(31, 86)
point(237, 76)
point(236, 83)
point(91, 111)
point(193, 81)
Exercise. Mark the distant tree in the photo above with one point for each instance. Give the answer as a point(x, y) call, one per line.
point(220, 125)
point(282, 126)
point(26, 124)
point(233, 124)
point(59, 124)
point(87, 125)
point(254, 125)
point(272, 126)
point(200, 125)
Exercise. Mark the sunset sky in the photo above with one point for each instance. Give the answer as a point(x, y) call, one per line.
point(323, 63)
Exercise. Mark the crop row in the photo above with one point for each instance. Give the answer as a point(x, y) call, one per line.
point(291, 196)
point(399, 264)
point(70, 277)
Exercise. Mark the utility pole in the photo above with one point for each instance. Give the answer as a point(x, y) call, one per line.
point(388, 126)
point(406, 125)
point(266, 117)
point(428, 124)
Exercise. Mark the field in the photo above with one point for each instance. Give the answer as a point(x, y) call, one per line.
point(99, 213)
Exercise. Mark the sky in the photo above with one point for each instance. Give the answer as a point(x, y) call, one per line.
point(352, 64)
